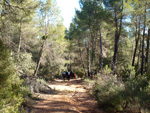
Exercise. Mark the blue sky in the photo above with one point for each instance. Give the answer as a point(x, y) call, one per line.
point(67, 8)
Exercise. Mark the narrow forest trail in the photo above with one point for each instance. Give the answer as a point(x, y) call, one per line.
point(71, 97)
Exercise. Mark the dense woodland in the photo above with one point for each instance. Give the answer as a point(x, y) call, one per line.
point(107, 42)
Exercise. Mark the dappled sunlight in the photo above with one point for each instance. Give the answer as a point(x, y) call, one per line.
point(72, 85)
point(71, 97)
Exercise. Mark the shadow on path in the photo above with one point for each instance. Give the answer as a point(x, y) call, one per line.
point(71, 97)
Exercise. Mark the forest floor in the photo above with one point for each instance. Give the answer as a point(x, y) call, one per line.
point(70, 97)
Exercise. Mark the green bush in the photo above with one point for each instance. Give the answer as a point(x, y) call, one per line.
point(50, 72)
point(107, 70)
point(11, 93)
point(79, 72)
point(5, 64)
point(116, 96)
point(108, 93)
point(127, 72)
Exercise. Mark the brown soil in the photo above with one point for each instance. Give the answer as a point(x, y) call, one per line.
point(70, 97)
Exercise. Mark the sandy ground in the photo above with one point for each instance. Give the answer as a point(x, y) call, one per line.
point(70, 97)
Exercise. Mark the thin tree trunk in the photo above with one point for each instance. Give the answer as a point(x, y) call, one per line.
point(116, 44)
point(137, 40)
point(142, 62)
point(89, 66)
point(39, 61)
point(88, 60)
point(93, 54)
point(96, 47)
point(117, 36)
point(100, 59)
point(115, 54)
point(147, 52)
point(139, 55)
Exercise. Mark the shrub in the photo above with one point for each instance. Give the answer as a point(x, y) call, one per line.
point(79, 72)
point(108, 93)
point(11, 93)
point(89, 83)
point(127, 72)
point(5, 64)
point(107, 70)
point(116, 96)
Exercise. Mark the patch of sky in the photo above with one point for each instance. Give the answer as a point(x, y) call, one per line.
point(67, 8)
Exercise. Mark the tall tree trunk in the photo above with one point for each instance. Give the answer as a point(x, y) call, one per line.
point(88, 60)
point(39, 60)
point(100, 59)
point(115, 54)
point(117, 36)
point(93, 54)
point(147, 52)
point(142, 62)
point(139, 55)
point(137, 40)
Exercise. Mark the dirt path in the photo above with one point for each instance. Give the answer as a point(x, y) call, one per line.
point(71, 97)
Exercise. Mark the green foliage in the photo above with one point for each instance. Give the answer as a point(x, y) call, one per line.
point(106, 70)
point(21, 25)
point(124, 68)
point(79, 72)
point(89, 84)
point(107, 92)
point(127, 72)
point(25, 63)
point(54, 59)
point(5, 64)
point(11, 93)
point(116, 96)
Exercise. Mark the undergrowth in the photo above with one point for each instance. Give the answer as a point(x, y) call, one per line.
point(11, 90)
point(117, 96)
